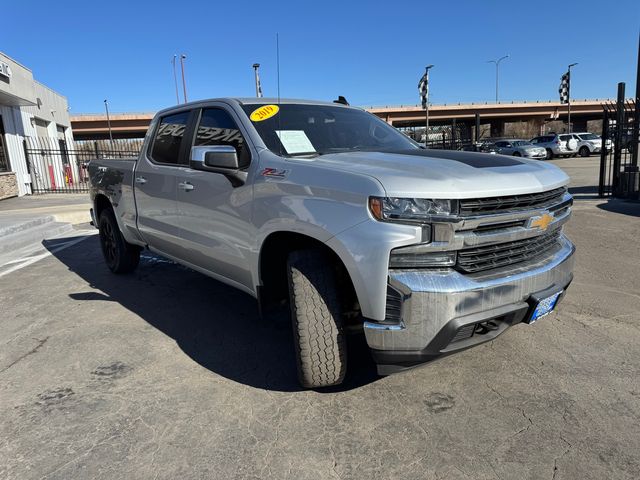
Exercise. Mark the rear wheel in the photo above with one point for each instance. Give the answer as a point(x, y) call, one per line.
point(316, 315)
point(120, 256)
point(549, 154)
point(516, 154)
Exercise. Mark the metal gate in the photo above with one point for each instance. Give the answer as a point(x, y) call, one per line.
point(619, 173)
point(58, 166)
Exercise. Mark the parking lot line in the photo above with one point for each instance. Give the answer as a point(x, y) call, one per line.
point(29, 258)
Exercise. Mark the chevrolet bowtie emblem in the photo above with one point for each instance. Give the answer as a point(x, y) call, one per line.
point(542, 222)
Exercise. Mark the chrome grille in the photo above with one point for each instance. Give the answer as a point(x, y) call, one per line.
point(477, 259)
point(484, 206)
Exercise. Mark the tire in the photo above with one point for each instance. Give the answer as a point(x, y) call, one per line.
point(516, 154)
point(316, 316)
point(549, 154)
point(120, 256)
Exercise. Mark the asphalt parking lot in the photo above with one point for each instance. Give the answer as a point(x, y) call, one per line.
point(168, 374)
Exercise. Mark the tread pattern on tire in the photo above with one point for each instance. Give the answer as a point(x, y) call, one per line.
point(128, 255)
point(316, 317)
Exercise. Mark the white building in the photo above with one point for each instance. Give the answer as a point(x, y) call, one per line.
point(28, 109)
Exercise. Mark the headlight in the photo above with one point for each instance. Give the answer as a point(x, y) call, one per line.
point(411, 210)
point(419, 256)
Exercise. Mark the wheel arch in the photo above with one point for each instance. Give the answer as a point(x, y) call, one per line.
point(100, 203)
point(272, 266)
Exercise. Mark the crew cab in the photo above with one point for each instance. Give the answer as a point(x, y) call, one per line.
point(328, 209)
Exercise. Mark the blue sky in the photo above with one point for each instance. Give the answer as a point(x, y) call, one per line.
point(372, 52)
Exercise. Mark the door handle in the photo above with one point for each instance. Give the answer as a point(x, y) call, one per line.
point(141, 180)
point(186, 186)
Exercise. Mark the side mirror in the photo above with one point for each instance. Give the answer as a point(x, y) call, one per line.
point(218, 159)
point(214, 158)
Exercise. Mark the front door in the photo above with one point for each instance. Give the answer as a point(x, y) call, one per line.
point(214, 216)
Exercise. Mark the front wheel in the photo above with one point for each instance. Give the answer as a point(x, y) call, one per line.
point(316, 315)
point(517, 154)
point(120, 256)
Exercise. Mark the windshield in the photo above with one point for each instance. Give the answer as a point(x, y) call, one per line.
point(296, 129)
point(520, 143)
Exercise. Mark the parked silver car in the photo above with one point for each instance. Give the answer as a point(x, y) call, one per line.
point(521, 148)
point(556, 145)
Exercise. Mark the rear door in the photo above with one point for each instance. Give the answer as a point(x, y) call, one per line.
point(214, 215)
point(155, 182)
point(504, 147)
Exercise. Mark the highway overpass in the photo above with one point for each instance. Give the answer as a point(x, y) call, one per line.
point(134, 125)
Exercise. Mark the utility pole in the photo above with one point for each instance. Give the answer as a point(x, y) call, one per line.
point(426, 110)
point(569, 99)
point(497, 63)
point(175, 78)
point(106, 107)
point(184, 84)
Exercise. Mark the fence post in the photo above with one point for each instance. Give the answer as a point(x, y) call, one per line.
point(95, 147)
point(604, 154)
point(617, 147)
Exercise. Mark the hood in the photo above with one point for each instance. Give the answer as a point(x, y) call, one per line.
point(448, 174)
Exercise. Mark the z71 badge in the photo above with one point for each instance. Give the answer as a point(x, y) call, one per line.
point(274, 173)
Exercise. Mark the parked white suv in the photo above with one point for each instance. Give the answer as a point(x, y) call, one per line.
point(588, 143)
point(562, 144)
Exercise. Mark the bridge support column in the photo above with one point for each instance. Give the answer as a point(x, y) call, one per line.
point(497, 128)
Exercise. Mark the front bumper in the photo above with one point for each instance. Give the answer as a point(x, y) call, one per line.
point(440, 307)
point(540, 155)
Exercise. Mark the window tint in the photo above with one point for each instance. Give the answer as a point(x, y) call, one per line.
point(166, 145)
point(501, 144)
point(217, 127)
point(564, 138)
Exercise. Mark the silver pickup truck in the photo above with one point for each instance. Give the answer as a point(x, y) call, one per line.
point(330, 210)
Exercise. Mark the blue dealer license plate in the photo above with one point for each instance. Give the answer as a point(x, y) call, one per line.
point(545, 307)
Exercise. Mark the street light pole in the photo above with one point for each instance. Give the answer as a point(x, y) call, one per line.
point(175, 78)
point(106, 107)
point(184, 85)
point(569, 99)
point(497, 63)
point(426, 110)
point(256, 66)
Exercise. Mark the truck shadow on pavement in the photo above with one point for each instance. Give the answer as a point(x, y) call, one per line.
point(215, 325)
